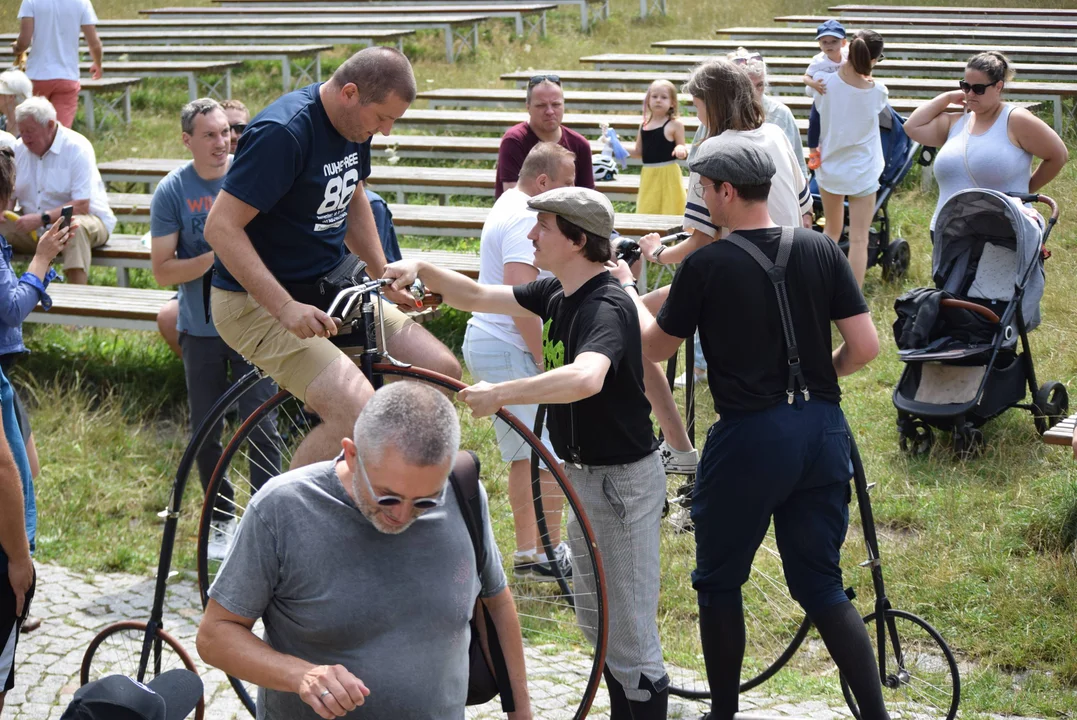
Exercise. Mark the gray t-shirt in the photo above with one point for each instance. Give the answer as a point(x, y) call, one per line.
point(330, 588)
point(180, 204)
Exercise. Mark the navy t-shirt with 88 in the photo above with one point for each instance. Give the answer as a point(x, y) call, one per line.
point(300, 174)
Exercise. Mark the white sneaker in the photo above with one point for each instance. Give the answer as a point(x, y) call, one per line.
point(678, 461)
point(682, 379)
point(221, 533)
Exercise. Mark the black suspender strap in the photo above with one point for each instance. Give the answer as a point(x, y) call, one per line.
point(776, 272)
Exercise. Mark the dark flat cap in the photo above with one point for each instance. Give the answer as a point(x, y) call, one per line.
point(585, 208)
point(732, 158)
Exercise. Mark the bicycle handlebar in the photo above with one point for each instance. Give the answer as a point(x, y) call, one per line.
point(350, 296)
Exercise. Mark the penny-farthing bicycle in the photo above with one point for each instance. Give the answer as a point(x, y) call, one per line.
point(564, 653)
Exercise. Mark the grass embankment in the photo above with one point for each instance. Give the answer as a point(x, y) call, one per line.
point(981, 548)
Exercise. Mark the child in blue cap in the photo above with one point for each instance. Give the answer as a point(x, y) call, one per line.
point(831, 37)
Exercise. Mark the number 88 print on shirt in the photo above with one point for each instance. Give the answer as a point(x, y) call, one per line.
point(301, 175)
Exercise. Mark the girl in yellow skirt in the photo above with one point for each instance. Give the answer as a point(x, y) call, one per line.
point(660, 144)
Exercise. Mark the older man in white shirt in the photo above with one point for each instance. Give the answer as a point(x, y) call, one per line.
point(54, 167)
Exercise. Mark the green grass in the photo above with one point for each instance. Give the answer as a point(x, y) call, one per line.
point(980, 548)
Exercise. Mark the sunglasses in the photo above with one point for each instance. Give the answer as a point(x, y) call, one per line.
point(977, 89)
point(425, 503)
point(745, 59)
point(238, 128)
point(539, 79)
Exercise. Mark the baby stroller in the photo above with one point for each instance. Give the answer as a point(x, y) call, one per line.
point(959, 339)
point(900, 153)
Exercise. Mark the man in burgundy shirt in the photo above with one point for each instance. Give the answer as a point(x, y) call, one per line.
point(546, 108)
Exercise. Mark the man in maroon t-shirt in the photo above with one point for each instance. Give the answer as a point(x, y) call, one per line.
point(546, 108)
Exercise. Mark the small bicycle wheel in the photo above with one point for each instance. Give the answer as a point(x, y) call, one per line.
point(118, 649)
point(920, 678)
point(563, 620)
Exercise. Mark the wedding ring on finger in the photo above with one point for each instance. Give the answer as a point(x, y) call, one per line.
point(324, 693)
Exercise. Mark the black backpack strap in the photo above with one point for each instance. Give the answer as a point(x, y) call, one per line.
point(776, 272)
point(465, 484)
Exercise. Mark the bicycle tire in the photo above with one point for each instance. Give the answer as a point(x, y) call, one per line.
point(117, 650)
point(567, 658)
point(943, 696)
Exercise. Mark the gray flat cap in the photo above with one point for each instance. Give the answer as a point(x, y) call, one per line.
point(584, 208)
point(732, 158)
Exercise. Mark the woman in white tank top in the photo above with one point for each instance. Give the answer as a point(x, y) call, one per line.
point(993, 144)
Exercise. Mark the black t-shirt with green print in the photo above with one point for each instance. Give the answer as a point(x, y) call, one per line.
point(614, 426)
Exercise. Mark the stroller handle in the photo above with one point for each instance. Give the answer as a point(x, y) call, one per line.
point(1036, 197)
point(974, 307)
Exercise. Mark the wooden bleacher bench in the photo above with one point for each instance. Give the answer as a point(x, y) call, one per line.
point(199, 74)
point(908, 35)
point(383, 179)
point(804, 46)
point(107, 97)
point(931, 10)
point(890, 66)
point(461, 32)
point(794, 84)
point(304, 60)
point(613, 101)
point(423, 220)
point(197, 37)
point(499, 122)
point(431, 5)
point(903, 20)
point(127, 308)
point(1061, 434)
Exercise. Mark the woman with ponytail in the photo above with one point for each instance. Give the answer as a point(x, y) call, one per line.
point(851, 148)
point(993, 143)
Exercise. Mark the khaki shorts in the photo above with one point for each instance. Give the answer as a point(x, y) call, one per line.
point(292, 362)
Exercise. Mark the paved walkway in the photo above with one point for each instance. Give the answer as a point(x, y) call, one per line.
point(75, 607)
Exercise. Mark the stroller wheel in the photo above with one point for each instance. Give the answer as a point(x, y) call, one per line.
point(916, 437)
point(968, 442)
point(1051, 405)
point(896, 260)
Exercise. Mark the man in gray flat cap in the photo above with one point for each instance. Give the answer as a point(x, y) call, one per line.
point(763, 300)
point(599, 418)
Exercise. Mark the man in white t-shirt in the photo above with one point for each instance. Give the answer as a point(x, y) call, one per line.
point(53, 27)
point(501, 347)
point(56, 167)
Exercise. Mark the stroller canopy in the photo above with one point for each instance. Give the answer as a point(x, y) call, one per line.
point(987, 248)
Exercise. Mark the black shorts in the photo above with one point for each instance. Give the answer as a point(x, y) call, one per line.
point(10, 624)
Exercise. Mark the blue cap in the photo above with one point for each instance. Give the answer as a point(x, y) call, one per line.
point(831, 28)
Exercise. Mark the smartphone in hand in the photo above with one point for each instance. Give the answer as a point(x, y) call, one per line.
point(65, 215)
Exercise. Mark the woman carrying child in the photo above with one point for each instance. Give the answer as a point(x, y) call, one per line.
point(660, 144)
point(852, 151)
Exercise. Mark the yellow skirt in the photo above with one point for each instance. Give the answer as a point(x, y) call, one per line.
point(661, 190)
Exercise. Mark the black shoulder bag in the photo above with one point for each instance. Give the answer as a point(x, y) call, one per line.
point(489, 675)
point(776, 272)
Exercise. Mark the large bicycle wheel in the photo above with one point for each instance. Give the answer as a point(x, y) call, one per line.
point(920, 677)
point(564, 656)
point(117, 650)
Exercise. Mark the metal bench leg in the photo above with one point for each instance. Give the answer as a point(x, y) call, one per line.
point(87, 96)
point(585, 22)
point(192, 86)
point(519, 24)
point(127, 105)
point(450, 44)
point(286, 72)
point(228, 84)
point(123, 277)
point(305, 72)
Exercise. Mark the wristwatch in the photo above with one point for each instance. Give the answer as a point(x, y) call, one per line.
point(658, 253)
point(45, 219)
point(630, 284)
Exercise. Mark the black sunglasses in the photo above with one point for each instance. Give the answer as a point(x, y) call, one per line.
point(238, 128)
point(539, 79)
point(977, 89)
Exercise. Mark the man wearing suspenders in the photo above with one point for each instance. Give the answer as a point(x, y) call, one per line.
point(763, 300)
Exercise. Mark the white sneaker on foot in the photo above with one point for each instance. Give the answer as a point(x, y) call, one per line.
point(221, 533)
point(678, 461)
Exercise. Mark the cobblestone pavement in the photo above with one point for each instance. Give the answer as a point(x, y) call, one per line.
point(76, 607)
